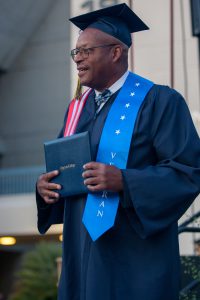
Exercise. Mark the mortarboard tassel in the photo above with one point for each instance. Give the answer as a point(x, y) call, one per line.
point(78, 92)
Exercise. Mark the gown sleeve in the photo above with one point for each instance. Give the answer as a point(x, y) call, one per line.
point(48, 214)
point(158, 195)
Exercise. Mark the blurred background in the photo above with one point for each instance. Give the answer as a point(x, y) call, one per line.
point(37, 81)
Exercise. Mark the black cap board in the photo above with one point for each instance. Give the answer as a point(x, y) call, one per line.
point(118, 20)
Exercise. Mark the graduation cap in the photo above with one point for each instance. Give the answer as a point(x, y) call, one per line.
point(118, 20)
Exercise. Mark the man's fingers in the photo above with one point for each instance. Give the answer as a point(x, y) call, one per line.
point(50, 200)
point(50, 197)
point(48, 176)
point(98, 177)
point(90, 173)
point(93, 169)
point(44, 184)
point(45, 188)
point(96, 188)
point(53, 186)
point(52, 194)
point(91, 181)
point(92, 165)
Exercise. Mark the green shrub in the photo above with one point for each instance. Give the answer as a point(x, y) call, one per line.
point(37, 278)
point(191, 271)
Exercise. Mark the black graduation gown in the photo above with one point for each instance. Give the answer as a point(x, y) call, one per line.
point(137, 259)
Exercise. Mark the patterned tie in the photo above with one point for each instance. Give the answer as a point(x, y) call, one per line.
point(102, 98)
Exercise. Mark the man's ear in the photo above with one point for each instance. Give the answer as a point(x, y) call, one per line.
point(117, 53)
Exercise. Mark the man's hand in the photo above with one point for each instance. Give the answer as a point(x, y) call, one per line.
point(100, 177)
point(45, 188)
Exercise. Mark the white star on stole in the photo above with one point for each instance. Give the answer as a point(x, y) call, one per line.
point(117, 131)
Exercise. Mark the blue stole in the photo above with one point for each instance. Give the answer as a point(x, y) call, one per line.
point(101, 208)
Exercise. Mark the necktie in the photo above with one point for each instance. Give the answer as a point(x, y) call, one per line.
point(102, 98)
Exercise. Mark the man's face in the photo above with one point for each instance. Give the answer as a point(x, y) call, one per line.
point(95, 69)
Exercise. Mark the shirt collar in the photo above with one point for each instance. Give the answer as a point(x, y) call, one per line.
point(117, 85)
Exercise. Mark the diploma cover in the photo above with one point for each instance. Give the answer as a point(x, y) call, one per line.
point(68, 155)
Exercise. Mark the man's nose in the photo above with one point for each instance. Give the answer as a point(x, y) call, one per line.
point(78, 58)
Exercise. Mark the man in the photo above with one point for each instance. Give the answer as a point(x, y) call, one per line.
point(138, 257)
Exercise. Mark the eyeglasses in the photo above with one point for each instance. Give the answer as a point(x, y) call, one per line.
point(85, 52)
